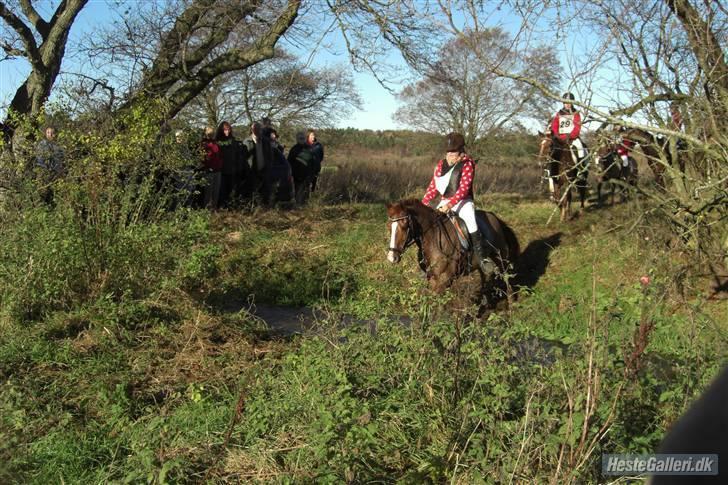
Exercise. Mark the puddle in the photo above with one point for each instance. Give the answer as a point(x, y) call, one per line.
point(286, 321)
point(283, 321)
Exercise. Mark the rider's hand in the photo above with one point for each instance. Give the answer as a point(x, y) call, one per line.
point(445, 208)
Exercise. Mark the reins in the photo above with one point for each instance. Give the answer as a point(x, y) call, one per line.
point(415, 236)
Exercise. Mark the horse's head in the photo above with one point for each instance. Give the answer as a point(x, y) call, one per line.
point(605, 148)
point(544, 145)
point(401, 231)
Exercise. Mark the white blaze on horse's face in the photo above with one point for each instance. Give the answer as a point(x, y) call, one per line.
point(391, 255)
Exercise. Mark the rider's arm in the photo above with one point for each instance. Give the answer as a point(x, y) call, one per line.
point(431, 192)
point(466, 181)
point(577, 127)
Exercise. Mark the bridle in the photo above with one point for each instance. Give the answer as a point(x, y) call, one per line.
point(410, 238)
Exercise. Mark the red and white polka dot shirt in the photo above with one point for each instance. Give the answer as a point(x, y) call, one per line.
point(464, 189)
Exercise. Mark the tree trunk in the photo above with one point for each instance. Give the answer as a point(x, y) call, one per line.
point(709, 54)
point(45, 59)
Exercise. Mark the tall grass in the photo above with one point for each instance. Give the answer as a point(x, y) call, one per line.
point(130, 351)
point(351, 175)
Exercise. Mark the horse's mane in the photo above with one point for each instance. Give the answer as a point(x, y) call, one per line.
point(417, 208)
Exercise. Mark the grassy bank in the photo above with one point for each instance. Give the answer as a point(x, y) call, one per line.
point(149, 365)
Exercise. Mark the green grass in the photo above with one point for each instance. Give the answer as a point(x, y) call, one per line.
point(134, 375)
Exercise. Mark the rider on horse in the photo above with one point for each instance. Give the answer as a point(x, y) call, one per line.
point(566, 126)
point(624, 147)
point(453, 181)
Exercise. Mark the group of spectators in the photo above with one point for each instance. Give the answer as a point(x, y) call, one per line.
point(257, 168)
point(222, 171)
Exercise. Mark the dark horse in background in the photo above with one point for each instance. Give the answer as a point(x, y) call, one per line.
point(610, 167)
point(440, 252)
point(657, 153)
point(565, 171)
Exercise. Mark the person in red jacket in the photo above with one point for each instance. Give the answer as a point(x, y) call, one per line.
point(212, 166)
point(623, 150)
point(566, 126)
point(452, 181)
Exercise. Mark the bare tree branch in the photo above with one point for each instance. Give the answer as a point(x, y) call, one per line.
point(40, 25)
point(26, 35)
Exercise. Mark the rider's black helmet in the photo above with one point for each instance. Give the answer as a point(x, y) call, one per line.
point(568, 96)
point(455, 142)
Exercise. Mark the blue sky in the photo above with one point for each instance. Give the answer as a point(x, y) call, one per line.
point(378, 104)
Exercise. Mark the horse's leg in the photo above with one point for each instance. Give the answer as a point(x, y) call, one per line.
point(565, 201)
point(440, 278)
point(582, 187)
point(599, 193)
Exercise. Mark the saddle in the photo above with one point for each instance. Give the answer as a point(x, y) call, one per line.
point(464, 236)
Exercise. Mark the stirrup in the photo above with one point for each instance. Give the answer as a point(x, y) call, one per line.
point(487, 265)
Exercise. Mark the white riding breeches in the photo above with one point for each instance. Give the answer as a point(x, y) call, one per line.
point(465, 209)
point(625, 161)
point(579, 148)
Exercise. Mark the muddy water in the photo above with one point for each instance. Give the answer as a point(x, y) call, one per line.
point(286, 321)
point(283, 321)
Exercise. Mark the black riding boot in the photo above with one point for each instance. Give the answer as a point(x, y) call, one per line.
point(486, 264)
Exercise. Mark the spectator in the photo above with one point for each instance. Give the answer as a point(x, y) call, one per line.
point(318, 152)
point(185, 178)
point(258, 155)
point(50, 156)
point(275, 142)
point(301, 158)
point(277, 182)
point(235, 173)
point(212, 164)
point(49, 164)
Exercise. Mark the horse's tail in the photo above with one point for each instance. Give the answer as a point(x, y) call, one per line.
point(514, 248)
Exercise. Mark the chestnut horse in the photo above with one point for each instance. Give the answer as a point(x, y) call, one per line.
point(440, 253)
point(564, 170)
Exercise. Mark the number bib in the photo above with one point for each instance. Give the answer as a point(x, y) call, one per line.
point(566, 124)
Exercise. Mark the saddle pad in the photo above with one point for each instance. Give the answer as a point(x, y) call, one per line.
point(462, 232)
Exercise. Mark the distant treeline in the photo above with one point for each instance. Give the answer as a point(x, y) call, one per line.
point(504, 146)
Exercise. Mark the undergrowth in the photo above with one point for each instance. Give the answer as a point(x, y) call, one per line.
point(130, 350)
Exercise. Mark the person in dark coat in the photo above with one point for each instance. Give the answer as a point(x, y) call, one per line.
point(235, 172)
point(302, 160)
point(318, 150)
point(279, 173)
point(258, 155)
